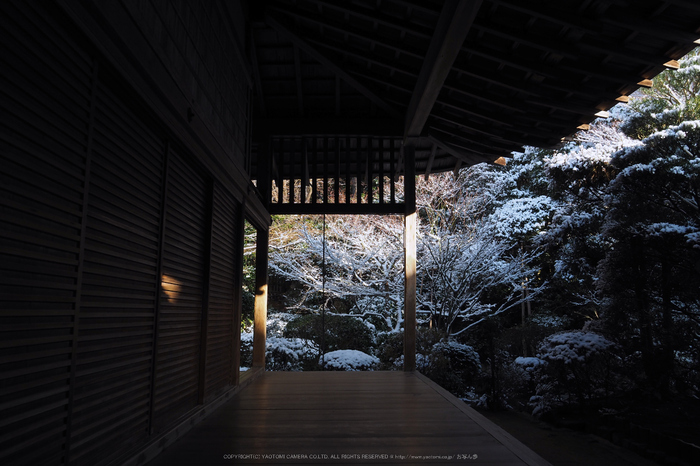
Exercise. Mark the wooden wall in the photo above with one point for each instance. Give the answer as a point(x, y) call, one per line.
point(121, 239)
point(201, 43)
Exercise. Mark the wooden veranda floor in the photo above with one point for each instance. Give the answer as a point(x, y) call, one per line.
point(343, 418)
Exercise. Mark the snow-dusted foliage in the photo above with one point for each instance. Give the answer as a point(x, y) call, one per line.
point(591, 148)
point(674, 98)
point(528, 364)
point(522, 217)
point(360, 260)
point(572, 367)
point(288, 354)
point(451, 364)
point(650, 274)
point(572, 347)
point(349, 360)
point(458, 275)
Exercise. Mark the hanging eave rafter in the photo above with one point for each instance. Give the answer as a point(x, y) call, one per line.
point(453, 26)
point(330, 63)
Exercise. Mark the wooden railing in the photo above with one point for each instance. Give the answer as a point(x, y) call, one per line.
point(356, 174)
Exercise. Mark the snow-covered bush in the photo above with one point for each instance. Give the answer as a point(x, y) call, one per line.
point(573, 347)
point(289, 354)
point(332, 331)
point(528, 365)
point(515, 381)
point(349, 360)
point(572, 368)
point(452, 365)
point(247, 348)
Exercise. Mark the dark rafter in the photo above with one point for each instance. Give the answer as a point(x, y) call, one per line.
point(322, 58)
point(453, 26)
point(459, 154)
point(297, 75)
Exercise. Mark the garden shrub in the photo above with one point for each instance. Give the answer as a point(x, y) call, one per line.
point(577, 367)
point(349, 360)
point(290, 354)
point(335, 332)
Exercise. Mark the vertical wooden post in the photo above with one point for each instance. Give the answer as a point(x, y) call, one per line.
point(264, 169)
point(409, 340)
point(260, 312)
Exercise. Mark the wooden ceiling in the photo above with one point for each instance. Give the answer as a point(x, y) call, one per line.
point(464, 81)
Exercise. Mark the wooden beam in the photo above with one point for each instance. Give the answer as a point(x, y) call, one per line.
point(363, 55)
point(256, 78)
point(453, 26)
point(548, 13)
point(512, 60)
point(264, 167)
point(455, 171)
point(297, 75)
point(331, 64)
point(326, 126)
point(503, 135)
point(378, 17)
point(260, 308)
point(458, 154)
point(347, 30)
point(460, 106)
point(494, 77)
point(564, 106)
point(565, 49)
point(472, 140)
point(337, 96)
point(409, 348)
point(629, 18)
point(431, 160)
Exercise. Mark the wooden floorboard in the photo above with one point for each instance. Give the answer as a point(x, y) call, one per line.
point(345, 418)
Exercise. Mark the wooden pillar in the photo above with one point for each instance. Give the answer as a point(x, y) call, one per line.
point(260, 312)
point(409, 340)
point(264, 168)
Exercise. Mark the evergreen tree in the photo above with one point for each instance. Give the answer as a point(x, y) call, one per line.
point(651, 273)
point(673, 99)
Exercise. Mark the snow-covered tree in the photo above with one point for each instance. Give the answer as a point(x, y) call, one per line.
point(650, 274)
point(673, 99)
point(467, 279)
point(359, 262)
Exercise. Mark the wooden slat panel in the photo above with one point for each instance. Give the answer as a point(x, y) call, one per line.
point(112, 383)
point(224, 267)
point(362, 163)
point(179, 322)
point(43, 125)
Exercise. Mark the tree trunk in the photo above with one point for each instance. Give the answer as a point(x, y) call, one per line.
point(649, 360)
point(667, 356)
